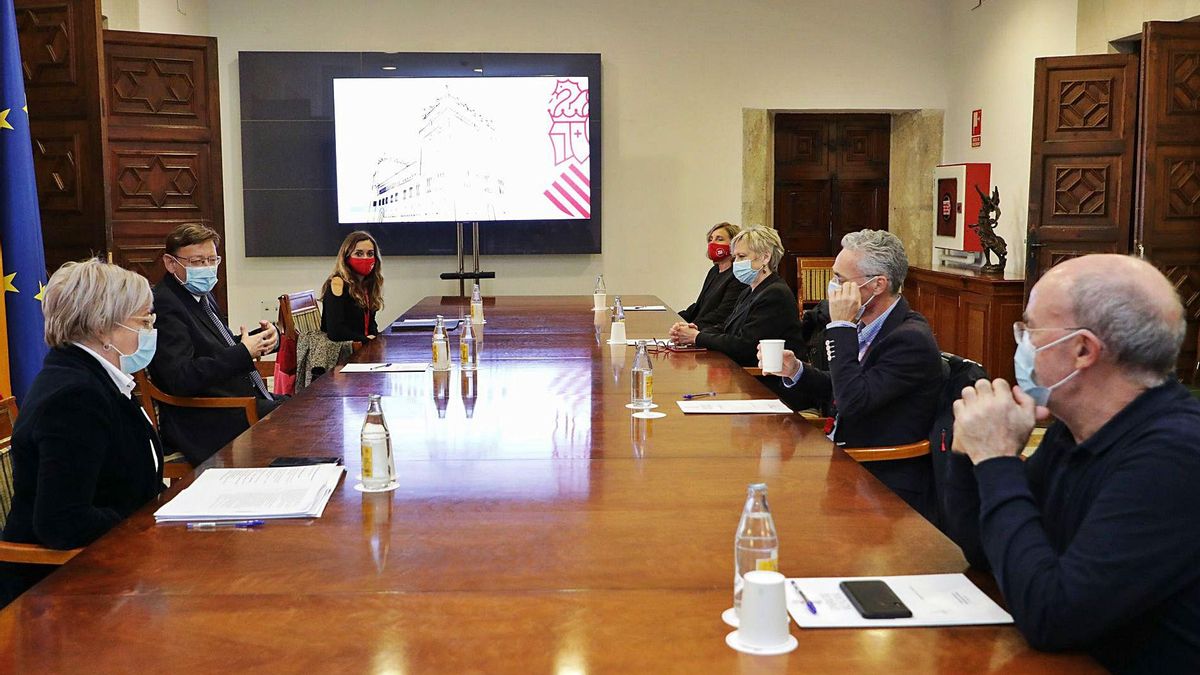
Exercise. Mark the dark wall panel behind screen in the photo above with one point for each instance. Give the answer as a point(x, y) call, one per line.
point(288, 161)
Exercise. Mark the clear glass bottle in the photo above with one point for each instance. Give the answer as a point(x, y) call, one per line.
point(468, 348)
point(441, 345)
point(476, 305)
point(378, 467)
point(618, 310)
point(642, 379)
point(756, 544)
point(599, 294)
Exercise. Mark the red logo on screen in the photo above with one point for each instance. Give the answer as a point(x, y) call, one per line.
point(569, 112)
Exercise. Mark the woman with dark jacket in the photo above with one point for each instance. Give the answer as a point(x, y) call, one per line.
point(85, 455)
point(354, 292)
point(766, 308)
point(720, 291)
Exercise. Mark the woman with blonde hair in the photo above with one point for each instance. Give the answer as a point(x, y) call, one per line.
point(354, 292)
point(85, 455)
point(720, 292)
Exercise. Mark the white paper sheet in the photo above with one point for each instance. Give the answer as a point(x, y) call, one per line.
point(934, 599)
point(710, 406)
point(385, 367)
point(237, 494)
point(646, 308)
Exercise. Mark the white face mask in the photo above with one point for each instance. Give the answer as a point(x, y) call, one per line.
point(834, 285)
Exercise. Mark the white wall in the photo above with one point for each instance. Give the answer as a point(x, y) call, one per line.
point(1101, 21)
point(122, 14)
point(991, 67)
point(677, 74)
point(182, 17)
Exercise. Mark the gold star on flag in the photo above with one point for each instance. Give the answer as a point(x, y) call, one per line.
point(25, 108)
point(4, 119)
point(8, 283)
point(41, 292)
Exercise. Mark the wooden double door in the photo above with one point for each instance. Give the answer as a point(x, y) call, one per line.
point(831, 177)
point(1116, 160)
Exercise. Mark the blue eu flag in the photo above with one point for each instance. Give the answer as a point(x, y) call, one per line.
point(24, 261)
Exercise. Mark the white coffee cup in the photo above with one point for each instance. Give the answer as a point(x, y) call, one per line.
point(599, 301)
point(772, 355)
point(617, 332)
point(763, 617)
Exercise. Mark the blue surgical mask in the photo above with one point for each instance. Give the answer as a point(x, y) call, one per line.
point(1023, 362)
point(199, 280)
point(833, 287)
point(744, 272)
point(147, 342)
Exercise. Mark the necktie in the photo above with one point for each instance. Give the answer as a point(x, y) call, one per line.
point(223, 331)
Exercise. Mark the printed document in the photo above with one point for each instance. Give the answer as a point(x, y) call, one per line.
point(240, 494)
point(764, 405)
point(934, 599)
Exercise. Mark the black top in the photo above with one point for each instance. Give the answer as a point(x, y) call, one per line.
point(766, 312)
point(193, 359)
point(718, 296)
point(1095, 545)
point(342, 318)
point(82, 461)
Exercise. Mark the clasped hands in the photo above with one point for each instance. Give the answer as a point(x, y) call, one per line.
point(262, 342)
point(994, 419)
point(683, 333)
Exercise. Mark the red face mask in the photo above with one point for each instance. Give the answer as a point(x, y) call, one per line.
point(717, 251)
point(362, 266)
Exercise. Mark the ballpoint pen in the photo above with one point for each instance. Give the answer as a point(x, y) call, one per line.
point(804, 598)
point(215, 524)
point(380, 366)
point(688, 397)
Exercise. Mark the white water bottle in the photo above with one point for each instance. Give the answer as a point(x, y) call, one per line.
point(756, 544)
point(378, 467)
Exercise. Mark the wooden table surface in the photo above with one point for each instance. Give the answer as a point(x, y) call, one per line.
point(538, 527)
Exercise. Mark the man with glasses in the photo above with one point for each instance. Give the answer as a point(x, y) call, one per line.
point(1095, 539)
point(198, 354)
point(885, 370)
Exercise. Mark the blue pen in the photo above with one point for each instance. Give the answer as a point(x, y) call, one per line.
point(804, 598)
point(688, 397)
point(239, 524)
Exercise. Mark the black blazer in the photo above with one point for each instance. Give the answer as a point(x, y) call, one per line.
point(192, 359)
point(718, 296)
point(82, 461)
point(766, 312)
point(342, 318)
point(890, 398)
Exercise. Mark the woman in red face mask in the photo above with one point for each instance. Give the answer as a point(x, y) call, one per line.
point(354, 292)
point(720, 291)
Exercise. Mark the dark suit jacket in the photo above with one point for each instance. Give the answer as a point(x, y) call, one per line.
point(192, 359)
point(82, 461)
point(718, 296)
point(342, 318)
point(766, 312)
point(891, 397)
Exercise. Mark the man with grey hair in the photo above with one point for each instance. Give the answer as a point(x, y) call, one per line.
point(885, 370)
point(1094, 541)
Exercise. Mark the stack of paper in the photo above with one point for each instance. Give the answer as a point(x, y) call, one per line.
point(240, 494)
point(735, 407)
point(933, 599)
point(385, 367)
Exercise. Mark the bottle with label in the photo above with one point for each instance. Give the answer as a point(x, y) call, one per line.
point(441, 345)
point(599, 294)
point(378, 468)
point(618, 310)
point(756, 545)
point(642, 379)
point(467, 347)
point(476, 305)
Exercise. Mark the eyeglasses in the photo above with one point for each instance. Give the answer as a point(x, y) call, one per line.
point(200, 261)
point(1020, 329)
point(146, 321)
point(842, 280)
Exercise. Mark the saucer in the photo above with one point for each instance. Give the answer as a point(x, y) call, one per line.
point(781, 648)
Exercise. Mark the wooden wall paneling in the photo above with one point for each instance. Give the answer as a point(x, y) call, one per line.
point(164, 154)
point(1082, 165)
point(60, 57)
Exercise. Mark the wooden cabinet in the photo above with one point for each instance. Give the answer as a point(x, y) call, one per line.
point(971, 314)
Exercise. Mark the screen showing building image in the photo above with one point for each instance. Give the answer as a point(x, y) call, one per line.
point(462, 149)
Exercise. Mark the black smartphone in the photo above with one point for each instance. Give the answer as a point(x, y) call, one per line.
point(305, 461)
point(874, 600)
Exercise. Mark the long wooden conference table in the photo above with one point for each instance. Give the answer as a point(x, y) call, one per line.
point(538, 527)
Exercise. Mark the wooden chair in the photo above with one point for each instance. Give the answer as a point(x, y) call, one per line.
point(32, 554)
point(812, 276)
point(299, 313)
point(150, 394)
point(879, 454)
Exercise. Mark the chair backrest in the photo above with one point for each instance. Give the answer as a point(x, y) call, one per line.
point(8, 420)
point(812, 276)
point(299, 313)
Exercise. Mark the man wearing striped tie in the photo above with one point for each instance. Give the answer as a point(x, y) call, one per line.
point(198, 354)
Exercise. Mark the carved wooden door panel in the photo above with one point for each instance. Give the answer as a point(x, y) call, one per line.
point(1168, 199)
point(831, 177)
point(163, 161)
point(60, 55)
point(1082, 166)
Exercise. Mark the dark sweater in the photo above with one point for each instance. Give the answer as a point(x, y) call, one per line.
point(1095, 545)
point(718, 296)
point(342, 318)
point(82, 461)
point(768, 311)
